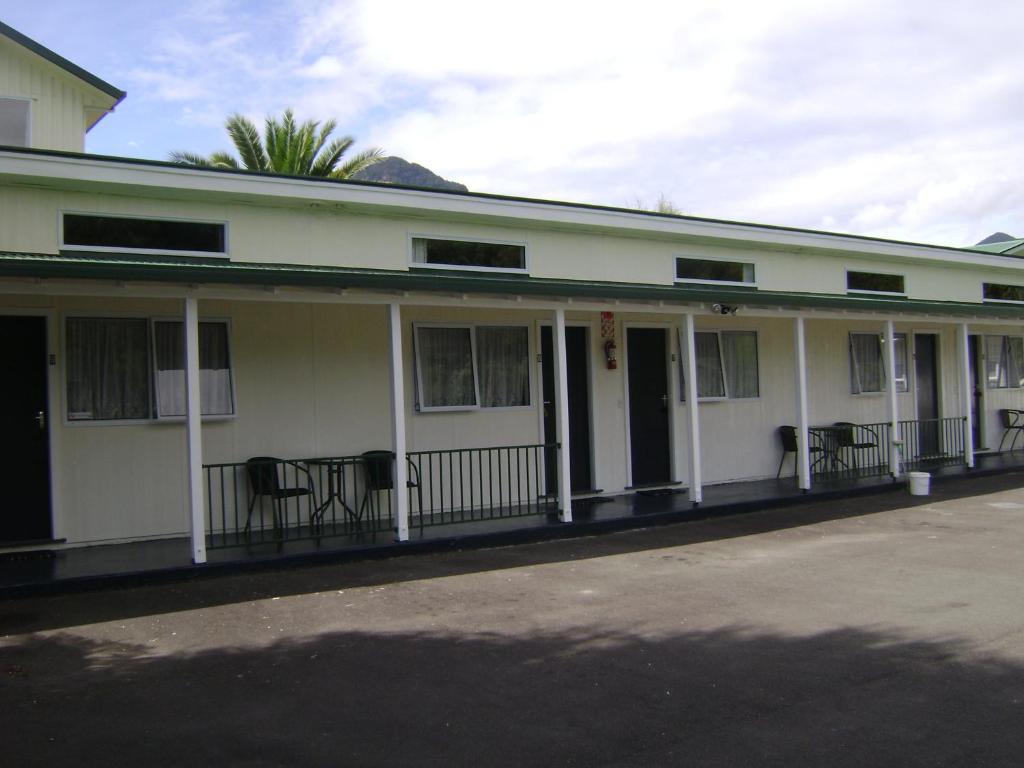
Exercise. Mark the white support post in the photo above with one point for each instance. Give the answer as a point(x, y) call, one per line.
point(692, 409)
point(802, 440)
point(400, 497)
point(967, 392)
point(193, 432)
point(562, 403)
point(895, 445)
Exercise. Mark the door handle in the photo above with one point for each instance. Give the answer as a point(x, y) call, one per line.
point(41, 419)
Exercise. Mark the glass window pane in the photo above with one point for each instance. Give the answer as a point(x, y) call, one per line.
point(901, 362)
point(995, 362)
point(446, 367)
point(503, 362)
point(14, 122)
point(215, 390)
point(739, 352)
point(1015, 361)
point(710, 382)
point(718, 271)
point(107, 369)
point(1001, 292)
point(867, 373)
point(872, 281)
point(462, 253)
point(88, 231)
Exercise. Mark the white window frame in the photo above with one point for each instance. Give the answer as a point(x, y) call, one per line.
point(471, 327)
point(28, 117)
point(721, 367)
point(414, 264)
point(721, 283)
point(863, 292)
point(151, 370)
point(154, 384)
point(225, 254)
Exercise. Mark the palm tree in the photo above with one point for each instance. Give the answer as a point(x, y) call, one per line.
point(287, 147)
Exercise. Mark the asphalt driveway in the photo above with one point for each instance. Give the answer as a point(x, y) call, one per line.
point(874, 631)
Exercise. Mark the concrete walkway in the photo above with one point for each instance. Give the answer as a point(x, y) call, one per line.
point(862, 632)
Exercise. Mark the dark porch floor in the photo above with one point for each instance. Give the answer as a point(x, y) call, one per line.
point(32, 571)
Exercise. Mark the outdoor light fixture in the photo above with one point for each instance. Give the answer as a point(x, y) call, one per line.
point(724, 309)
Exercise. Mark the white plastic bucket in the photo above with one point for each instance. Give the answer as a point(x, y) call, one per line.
point(919, 483)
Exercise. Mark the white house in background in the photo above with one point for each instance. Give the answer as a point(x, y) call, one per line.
point(164, 324)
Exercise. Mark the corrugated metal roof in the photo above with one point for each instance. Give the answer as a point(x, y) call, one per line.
point(1001, 247)
point(185, 270)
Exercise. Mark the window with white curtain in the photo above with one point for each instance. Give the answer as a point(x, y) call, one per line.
point(867, 364)
point(215, 390)
point(503, 359)
point(107, 369)
point(131, 369)
point(1004, 361)
point(726, 365)
point(468, 367)
point(447, 374)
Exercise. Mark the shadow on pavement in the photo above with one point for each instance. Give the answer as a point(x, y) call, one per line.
point(609, 698)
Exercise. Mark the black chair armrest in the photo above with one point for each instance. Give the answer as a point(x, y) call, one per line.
point(300, 467)
point(414, 472)
point(870, 431)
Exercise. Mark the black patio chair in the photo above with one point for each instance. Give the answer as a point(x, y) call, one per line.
point(855, 437)
point(378, 467)
point(787, 436)
point(265, 484)
point(1013, 422)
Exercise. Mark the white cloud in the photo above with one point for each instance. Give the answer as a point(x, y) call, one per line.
point(895, 119)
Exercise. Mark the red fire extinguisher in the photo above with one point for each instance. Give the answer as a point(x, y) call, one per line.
point(609, 355)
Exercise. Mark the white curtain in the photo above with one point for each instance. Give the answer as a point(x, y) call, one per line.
point(739, 353)
point(710, 382)
point(446, 367)
point(108, 369)
point(867, 372)
point(1015, 361)
point(214, 369)
point(504, 366)
point(996, 361)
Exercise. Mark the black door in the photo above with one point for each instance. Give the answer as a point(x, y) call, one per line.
point(648, 405)
point(977, 389)
point(925, 366)
point(577, 366)
point(25, 502)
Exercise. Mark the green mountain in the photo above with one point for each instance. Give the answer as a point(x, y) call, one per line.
point(395, 170)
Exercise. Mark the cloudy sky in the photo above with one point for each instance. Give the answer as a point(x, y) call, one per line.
point(893, 118)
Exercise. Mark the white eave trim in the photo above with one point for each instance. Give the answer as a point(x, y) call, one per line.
point(89, 172)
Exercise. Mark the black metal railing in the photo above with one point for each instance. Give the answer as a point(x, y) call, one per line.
point(932, 442)
point(270, 500)
point(470, 484)
point(855, 450)
point(863, 450)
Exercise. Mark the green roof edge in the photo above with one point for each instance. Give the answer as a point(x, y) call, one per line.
point(60, 61)
point(213, 271)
